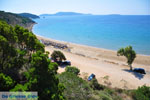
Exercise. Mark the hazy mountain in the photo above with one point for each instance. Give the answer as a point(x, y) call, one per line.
point(64, 14)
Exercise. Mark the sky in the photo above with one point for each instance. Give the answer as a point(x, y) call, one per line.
point(98, 7)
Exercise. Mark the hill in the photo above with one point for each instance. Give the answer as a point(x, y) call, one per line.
point(64, 14)
point(15, 19)
point(28, 15)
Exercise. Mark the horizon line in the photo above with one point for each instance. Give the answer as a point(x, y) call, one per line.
point(73, 12)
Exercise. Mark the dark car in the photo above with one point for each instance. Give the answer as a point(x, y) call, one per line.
point(139, 70)
point(65, 63)
point(91, 77)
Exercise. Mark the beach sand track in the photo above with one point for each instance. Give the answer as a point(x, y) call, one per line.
point(103, 62)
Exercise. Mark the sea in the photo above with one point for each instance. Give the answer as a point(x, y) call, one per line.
point(101, 31)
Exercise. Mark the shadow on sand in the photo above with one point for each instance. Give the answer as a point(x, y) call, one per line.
point(63, 66)
point(137, 75)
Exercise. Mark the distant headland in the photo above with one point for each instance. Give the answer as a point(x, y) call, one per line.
point(28, 15)
point(64, 14)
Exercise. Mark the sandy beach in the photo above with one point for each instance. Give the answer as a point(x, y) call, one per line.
point(109, 69)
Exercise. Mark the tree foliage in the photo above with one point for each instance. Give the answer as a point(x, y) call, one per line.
point(129, 53)
point(6, 82)
point(24, 65)
point(43, 77)
point(58, 56)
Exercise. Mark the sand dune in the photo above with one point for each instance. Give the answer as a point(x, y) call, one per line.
point(109, 69)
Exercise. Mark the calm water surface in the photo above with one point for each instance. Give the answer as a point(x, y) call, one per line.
point(102, 31)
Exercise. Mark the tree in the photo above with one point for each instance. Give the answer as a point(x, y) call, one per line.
point(42, 78)
point(24, 64)
point(58, 56)
point(72, 69)
point(129, 53)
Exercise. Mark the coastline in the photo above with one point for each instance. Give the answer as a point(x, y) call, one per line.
point(104, 63)
point(30, 27)
point(60, 41)
point(140, 59)
point(110, 70)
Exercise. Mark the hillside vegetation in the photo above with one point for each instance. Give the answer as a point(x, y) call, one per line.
point(28, 15)
point(77, 88)
point(24, 64)
point(15, 19)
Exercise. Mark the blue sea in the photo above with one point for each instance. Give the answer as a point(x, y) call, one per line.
point(102, 31)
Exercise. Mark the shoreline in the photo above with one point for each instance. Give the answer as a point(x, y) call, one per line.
point(61, 41)
point(137, 59)
point(30, 27)
point(104, 63)
point(110, 70)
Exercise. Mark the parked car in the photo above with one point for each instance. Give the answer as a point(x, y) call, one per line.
point(139, 70)
point(91, 77)
point(65, 63)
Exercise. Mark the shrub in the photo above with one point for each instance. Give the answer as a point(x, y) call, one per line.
point(76, 87)
point(105, 96)
point(72, 69)
point(95, 85)
point(142, 93)
point(109, 91)
point(6, 82)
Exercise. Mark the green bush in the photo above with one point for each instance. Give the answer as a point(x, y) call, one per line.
point(75, 87)
point(6, 82)
point(72, 69)
point(105, 96)
point(95, 85)
point(109, 91)
point(20, 87)
point(142, 93)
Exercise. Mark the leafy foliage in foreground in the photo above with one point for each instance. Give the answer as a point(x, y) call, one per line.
point(24, 65)
point(142, 93)
point(6, 82)
point(75, 88)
